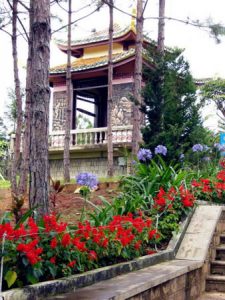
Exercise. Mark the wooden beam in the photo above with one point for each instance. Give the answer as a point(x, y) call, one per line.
point(86, 112)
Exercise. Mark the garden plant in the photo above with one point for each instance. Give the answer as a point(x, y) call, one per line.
point(139, 221)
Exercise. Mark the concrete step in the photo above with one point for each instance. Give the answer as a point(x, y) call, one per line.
point(220, 252)
point(215, 283)
point(218, 267)
point(222, 238)
point(212, 296)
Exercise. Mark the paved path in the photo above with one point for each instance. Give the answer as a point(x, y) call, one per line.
point(212, 296)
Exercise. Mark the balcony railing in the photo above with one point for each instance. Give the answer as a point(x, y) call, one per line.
point(91, 136)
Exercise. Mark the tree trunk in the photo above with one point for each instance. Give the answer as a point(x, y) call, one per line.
point(66, 158)
point(160, 49)
point(16, 157)
point(40, 96)
point(27, 121)
point(161, 27)
point(110, 92)
point(137, 118)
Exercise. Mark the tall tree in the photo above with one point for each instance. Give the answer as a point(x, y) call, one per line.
point(161, 27)
point(181, 113)
point(39, 106)
point(66, 157)
point(16, 150)
point(110, 92)
point(27, 115)
point(160, 49)
point(137, 118)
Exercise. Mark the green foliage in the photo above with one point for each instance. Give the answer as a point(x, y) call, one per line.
point(140, 191)
point(172, 115)
point(4, 184)
point(147, 180)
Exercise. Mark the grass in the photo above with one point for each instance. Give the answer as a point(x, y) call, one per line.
point(4, 184)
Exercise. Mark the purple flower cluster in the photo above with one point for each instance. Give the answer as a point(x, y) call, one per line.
point(219, 147)
point(197, 148)
point(88, 179)
point(144, 154)
point(160, 149)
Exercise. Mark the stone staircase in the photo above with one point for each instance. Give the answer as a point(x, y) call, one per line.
point(215, 281)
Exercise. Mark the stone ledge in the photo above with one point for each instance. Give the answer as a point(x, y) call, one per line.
point(128, 285)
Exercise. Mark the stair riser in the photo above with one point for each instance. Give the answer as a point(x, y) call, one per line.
point(220, 254)
point(215, 286)
point(216, 269)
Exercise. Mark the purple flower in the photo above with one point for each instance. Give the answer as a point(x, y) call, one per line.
point(181, 156)
point(144, 154)
point(219, 147)
point(160, 149)
point(88, 179)
point(197, 148)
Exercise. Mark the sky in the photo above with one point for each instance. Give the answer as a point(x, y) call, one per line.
point(205, 56)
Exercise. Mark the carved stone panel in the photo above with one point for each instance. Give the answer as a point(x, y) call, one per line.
point(122, 106)
point(59, 106)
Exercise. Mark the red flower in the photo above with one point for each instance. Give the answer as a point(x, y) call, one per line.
point(149, 252)
point(196, 184)
point(92, 255)
point(53, 243)
point(105, 243)
point(71, 264)
point(53, 260)
point(221, 175)
point(151, 233)
point(80, 245)
point(222, 163)
point(205, 181)
point(137, 245)
point(66, 240)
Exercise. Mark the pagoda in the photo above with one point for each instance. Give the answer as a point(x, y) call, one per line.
point(88, 149)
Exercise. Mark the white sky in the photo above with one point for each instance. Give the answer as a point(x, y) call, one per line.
point(206, 58)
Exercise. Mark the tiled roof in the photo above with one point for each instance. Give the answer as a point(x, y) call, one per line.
point(98, 36)
point(81, 64)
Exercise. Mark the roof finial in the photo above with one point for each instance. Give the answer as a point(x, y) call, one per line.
point(133, 19)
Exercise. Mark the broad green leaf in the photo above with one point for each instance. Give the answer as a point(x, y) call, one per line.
point(10, 278)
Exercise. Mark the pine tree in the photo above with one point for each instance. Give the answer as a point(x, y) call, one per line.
point(172, 115)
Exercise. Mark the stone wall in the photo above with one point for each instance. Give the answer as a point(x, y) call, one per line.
point(59, 105)
point(122, 106)
point(188, 286)
point(97, 166)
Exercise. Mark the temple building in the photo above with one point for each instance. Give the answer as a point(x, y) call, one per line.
point(88, 149)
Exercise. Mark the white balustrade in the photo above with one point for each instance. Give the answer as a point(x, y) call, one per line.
point(83, 137)
point(91, 136)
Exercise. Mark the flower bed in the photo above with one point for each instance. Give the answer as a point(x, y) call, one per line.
point(50, 249)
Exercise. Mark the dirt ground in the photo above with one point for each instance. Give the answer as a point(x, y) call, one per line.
point(68, 204)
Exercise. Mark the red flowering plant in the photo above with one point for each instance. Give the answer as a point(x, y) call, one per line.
point(50, 249)
point(169, 209)
point(211, 189)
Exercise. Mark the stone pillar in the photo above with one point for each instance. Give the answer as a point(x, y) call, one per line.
point(59, 106)
point(122, 106)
